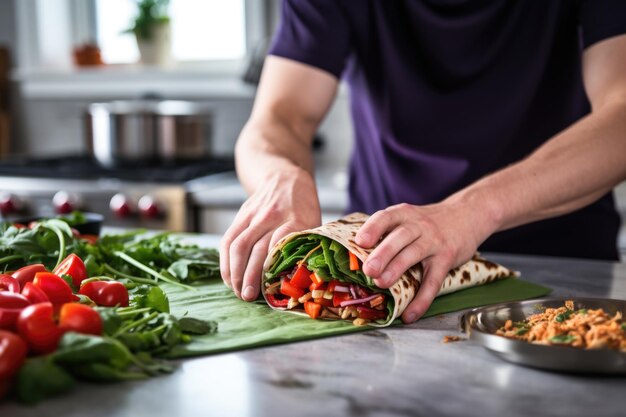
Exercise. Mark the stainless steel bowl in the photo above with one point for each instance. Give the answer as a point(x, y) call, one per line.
point(128, 132)
point(481, 324)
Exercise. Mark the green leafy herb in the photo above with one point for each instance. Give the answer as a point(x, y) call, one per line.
point(563, 316)
point(562, 339)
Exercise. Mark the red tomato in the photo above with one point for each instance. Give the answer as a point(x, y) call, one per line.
point(34, 294)
point(11, 304)
point(301, 278)
point(106, 293)
point(80, 318)
point(74, 267)
point(58, 291)
point(289, 290)
point(36, 325)
point(312, 309)
point(12, 354)
point(8, 283)
point(27, 273)
point(20, 226)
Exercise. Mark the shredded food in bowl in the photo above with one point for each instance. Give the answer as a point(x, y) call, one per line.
point(583, 328)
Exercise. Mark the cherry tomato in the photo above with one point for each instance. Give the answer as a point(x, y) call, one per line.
point(11, 304)
point(12, 354)
point(80, 318)
point(91, 239)
point(106, 293)
point(20, 226)
point(34, 294)
point(8, 283)
point(58, 291)
point(27, 273)
point(74, 267)
point(36, 325)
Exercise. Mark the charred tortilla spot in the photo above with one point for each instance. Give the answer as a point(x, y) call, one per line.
point(452, 272)
point(476, 266)
point(405, 284)
point(466, 277)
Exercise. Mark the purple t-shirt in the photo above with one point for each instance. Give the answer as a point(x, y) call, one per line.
point(444, 92)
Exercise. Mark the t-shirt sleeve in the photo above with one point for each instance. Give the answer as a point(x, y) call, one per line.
point(313, 32)
point(601, 19)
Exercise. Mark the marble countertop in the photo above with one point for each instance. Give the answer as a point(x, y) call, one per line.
point(400, 371)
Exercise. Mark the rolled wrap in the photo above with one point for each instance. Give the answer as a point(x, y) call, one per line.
point(476, 271)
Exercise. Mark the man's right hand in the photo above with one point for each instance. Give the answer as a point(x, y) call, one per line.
point(285, 203)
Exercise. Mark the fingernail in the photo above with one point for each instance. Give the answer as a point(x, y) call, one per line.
point(248, 293)
point(386, 277)
point(374, 264)
point(411, 317)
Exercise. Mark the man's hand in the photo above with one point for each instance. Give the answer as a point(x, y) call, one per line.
point(286, 203)
point(441, 236)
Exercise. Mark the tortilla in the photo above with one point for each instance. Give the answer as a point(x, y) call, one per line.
point(476, 271)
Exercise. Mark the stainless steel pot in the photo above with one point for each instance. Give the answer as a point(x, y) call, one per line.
point(127, 132)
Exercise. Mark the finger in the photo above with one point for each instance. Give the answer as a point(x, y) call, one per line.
point(409, 256)
point(239, 254)
point(254, 271)
point(281, 232)
point(235, 229)
point(376, 226)
point(435, 270)
point(390, 247)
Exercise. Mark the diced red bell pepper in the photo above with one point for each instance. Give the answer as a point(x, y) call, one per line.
point(312, 309)
point(323, 301)
point(332, 284)
point(286, 288)
point(275, 302)
point(354, 262)
point(339, 297)
point(371, 314)
point(301, 278)
point(316, 282)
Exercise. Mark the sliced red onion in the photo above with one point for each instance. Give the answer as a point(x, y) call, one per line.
point(353, 292)
point(341, 288)
point(358, 301)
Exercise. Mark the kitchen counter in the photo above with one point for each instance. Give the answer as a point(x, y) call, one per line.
point(399, 371)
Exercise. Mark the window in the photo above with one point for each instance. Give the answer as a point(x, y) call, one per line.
point(202, 30)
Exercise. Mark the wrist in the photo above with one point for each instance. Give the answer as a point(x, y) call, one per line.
point(483, 209)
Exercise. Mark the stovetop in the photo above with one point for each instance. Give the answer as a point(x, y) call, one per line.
point(85, 167)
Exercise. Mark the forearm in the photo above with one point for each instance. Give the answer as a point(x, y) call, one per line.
point(269, 147)
point(568, 172)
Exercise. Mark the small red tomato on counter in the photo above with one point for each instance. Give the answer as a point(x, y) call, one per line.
point(73, 266)
point(80, 318)
point(58, 291)
point(8, 283)
point(11, 304)
point(27, 273)
point(106, 293)
point(37, 326)
point(12, 355)
point(34, 294)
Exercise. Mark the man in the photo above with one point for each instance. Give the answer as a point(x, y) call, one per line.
point(471, 117)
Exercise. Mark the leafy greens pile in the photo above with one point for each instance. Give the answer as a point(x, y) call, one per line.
point(135, 336)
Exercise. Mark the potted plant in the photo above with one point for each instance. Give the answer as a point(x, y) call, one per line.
point(152, 31)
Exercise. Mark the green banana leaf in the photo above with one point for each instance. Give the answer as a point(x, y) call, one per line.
point(243, 325)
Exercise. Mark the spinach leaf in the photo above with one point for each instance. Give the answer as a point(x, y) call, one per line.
point(40, 378)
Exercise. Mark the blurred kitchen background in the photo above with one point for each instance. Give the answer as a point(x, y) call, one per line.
point(131, 108)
